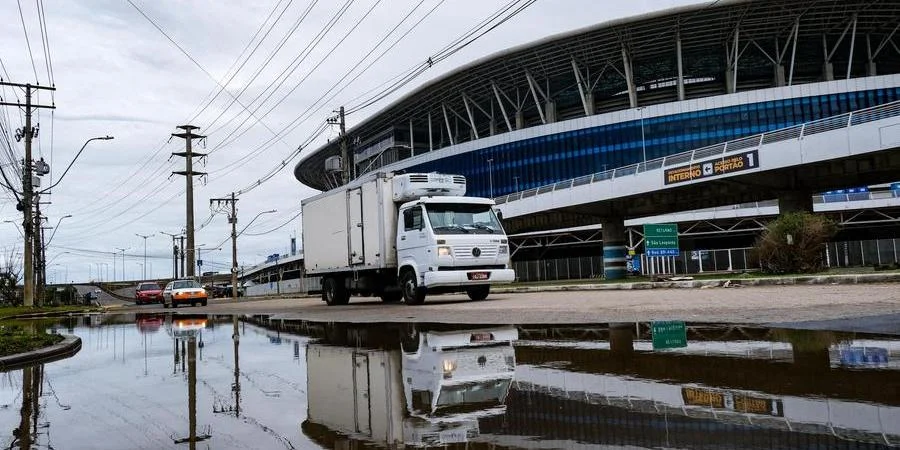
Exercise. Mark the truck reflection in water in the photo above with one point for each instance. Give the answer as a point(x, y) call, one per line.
point(428, 388)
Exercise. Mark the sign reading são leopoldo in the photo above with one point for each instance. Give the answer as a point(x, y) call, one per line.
point(719, 166)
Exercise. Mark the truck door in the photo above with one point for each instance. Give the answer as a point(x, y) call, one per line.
point(355, 243)
point(412, 242)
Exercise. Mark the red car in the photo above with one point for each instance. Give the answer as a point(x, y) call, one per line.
point(148, 293)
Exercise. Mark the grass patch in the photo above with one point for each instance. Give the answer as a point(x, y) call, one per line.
point(17, 339)
point(13, 311)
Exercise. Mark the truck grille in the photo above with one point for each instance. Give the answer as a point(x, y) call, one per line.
point(464, 252)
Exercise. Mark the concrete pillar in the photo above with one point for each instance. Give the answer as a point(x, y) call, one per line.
point(520, 119)
point(729, 81)
point(621, 339)
point(871, 69)
point(828, 71)
point(795, 201)
point(779, 75)
point(614, 248)
point(550, 111)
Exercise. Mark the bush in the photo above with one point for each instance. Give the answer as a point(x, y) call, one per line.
point(794, 243)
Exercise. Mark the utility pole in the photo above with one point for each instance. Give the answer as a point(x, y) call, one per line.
point(189, 174)
point(181, 239)
point(145, 250)
point(232, 219)
point(346, 164)
point(29, 133)
point(37, 247)
point(174, 253)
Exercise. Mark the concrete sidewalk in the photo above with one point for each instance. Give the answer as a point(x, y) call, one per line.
point(726, 282)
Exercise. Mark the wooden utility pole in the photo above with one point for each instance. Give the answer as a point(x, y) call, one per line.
point(28, 132)
point(346, 164)
point(232, 219)
point(189, 175)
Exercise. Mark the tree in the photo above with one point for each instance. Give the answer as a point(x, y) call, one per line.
point(10, 276)
point(795, 243)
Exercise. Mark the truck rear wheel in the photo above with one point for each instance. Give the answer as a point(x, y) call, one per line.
point(334, 292)
point(412, 293)
point(478, 292)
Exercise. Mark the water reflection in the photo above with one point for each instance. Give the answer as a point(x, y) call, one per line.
point(186, 381)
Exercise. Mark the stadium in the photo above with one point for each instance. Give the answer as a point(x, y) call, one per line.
point(630, 91)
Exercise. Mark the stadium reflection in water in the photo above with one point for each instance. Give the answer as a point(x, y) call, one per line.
point(166, 381)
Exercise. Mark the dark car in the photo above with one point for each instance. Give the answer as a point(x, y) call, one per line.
point(148, 293)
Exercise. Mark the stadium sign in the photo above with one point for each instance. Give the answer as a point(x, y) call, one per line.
point(713, 167)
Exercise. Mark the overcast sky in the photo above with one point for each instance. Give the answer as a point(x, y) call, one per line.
point(118, 75)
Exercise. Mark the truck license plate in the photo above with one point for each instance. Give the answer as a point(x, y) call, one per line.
point(479, 275)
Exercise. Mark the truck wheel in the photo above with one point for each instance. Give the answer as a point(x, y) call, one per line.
point(478, 292)
point(334, 293)
point(391, 296)
point(412, 293)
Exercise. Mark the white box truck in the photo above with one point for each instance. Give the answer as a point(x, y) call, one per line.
point(430, 391)
point(402, 236)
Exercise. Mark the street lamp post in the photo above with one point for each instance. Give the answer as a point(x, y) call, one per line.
point(643, 145)
point(123, 261)
point(145, 251)
point(490, 162)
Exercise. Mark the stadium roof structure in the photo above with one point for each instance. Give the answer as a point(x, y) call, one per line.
point(702, 50)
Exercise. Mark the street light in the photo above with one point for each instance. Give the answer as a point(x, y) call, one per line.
point(123, 260)
point(103, 138)
point(145, 251)
point(643, 145)
point(490, 162)
point(56, 228)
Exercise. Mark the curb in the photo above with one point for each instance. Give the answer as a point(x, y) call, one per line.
point(706, 284)
point(65, 349)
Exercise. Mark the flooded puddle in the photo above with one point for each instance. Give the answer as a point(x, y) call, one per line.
point(163, 381)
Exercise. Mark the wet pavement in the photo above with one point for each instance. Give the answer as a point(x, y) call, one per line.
point(196, 381)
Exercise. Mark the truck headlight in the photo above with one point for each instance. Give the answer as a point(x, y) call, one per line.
point(443, 250)
point(449, 365)
point(504, 250)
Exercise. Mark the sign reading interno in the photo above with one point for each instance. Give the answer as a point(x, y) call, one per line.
point(720, 166)
point(661, 239)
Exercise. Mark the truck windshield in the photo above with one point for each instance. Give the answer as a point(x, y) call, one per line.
point(474, 394)
point(462, 218)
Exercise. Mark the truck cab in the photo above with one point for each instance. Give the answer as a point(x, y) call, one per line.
point(450, 244)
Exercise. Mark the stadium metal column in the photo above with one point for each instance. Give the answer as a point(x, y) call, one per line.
point(613, 248)
point(795, 201)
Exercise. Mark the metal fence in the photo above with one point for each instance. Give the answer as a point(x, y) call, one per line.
point(837, 254)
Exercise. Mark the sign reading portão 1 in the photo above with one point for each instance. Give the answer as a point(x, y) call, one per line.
point(661, 239)
point(713, 167)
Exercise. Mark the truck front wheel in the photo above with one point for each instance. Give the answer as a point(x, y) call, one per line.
point(412, 293)
point(334, 292)
point(478, 292)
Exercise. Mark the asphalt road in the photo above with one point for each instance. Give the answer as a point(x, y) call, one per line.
point(854, 304)
point(104, 300)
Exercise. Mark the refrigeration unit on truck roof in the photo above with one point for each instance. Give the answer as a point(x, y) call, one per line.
point(413, 186)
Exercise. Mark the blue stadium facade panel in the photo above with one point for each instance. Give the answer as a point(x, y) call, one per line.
point(633, 89)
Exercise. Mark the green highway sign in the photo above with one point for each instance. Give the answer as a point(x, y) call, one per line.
point(661, 239)
point(668, 334)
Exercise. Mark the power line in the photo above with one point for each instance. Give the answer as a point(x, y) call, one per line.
point(28, 41)
point(45, 40)
point(276, 228)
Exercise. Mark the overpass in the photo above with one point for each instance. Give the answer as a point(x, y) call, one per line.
point(789, 164)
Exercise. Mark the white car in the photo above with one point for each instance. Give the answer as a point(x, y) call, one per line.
point(183, 291)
